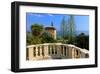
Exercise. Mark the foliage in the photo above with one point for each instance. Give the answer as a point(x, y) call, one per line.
point(71, 30)
point(33, 39)
point(68, 29)
point(82, 41)
point(36, 29)
point(38, 35)
point(46, 38)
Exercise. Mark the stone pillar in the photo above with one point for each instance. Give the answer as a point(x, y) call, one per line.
point(40, 51)
point(50, 50)
point(59, 50)
point(73, 53)
point(66, 50)
point(54, 34)
point(63, 51)
point(46, 50)
point(54, 49)
point(36, 51)
point(78, 53)
point(31, 53)
point(70, 52)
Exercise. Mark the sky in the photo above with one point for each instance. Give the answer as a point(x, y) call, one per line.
point(45, 19)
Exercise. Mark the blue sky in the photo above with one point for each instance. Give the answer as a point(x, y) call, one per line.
point(81, 22)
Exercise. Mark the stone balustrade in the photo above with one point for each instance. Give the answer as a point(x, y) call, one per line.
point(55, 51)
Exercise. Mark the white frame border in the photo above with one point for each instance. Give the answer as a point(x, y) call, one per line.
point(51, 63)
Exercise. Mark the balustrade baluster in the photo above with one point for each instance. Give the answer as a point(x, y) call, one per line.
point(54, 49)
point(36, 51)
point(63, 51)
point(50, 50)
point(41, 51)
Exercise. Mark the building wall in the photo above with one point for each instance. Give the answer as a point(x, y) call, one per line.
point(52, 32)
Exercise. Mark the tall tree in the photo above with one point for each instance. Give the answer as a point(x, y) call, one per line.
point(52, 24)
point(71, 29)
point(63, 27)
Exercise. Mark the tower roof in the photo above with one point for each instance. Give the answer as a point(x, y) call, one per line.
point(51, 27)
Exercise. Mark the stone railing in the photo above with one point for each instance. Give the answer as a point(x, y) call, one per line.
point(55, 51)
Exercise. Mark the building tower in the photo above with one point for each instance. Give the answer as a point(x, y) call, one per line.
point(51, 30)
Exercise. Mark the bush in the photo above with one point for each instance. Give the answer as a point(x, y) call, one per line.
point(82, 41)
